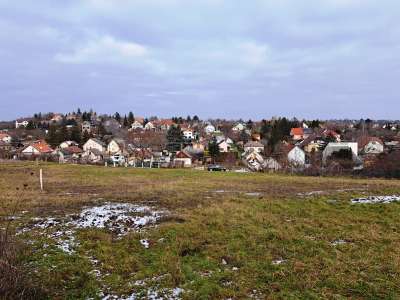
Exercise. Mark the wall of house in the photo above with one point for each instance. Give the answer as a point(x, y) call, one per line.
point(90, 144)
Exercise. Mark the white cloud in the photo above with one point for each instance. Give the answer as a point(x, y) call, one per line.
point(105, 49)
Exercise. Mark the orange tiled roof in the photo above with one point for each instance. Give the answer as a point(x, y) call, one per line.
point(297, 131)
point(42, 147)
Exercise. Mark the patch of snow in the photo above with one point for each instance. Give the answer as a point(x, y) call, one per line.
point(254, 194)
point(119, 218)
point(152, 294)
point(338, 242)
point(278, 261)
point(145, 243)
point(376, 199)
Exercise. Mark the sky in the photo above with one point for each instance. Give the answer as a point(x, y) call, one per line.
point(215, 58)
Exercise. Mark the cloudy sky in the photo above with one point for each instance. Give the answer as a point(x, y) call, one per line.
point(215, 58)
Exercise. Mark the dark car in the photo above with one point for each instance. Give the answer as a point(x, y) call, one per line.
point(216, 168)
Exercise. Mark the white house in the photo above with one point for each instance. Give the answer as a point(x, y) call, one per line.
point(253, 145)
point(116, 146)
point(188, 133)
point(23, 123)
point(149, 126)
point(254, 161)
point(183, 158)
point(238, 127)
point(336, 147)
point(370, 145)
point(209, 129)
point(37, 148)
point(224, 146)
point(297, 157)
point(94, 144)
point(136, 125)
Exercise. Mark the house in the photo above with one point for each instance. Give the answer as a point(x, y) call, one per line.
point(313, 143)
point(297, 133)
point(336, 147)
point(253, 160)
point(254, 145)
point(296, 157)
point(136, 125)
point(183, 159)
point(165, 124)
point(21, 123)
point(149, 126)
point(86, 127)
point(69, 154)
point(370, 145)
point(37, 148)
point(209, 129)
point(93, 155)
point(67, 144)
point(224, 147)
point(116, 146)
point(188, 133)
point(96, 144)
point(331, 135)
point(57, 118)
point(238, 127)
point(4, 137)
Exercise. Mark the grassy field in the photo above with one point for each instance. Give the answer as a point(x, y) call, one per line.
point(226, 235)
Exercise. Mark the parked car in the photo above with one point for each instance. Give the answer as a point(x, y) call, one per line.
point(212, 168)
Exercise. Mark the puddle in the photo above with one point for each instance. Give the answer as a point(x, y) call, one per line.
point(376, 199)
point(118, 218)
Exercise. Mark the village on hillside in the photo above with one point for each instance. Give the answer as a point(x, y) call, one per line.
point(314, 147)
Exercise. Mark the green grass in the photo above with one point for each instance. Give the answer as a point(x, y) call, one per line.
point(208, 229)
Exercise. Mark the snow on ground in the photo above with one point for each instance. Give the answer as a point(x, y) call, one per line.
point(119, 218)
point(338, 242)
point(376, 199)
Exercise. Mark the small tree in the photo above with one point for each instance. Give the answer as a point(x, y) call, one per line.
point(125, 123)
point(213, 149)
point(131, 118)
point(117, 117)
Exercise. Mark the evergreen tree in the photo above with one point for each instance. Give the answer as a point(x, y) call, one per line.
point(62, 135)
point(213, 149)
point(52, 138)
point(126, 123)
point(117, 117)
point(31, 125)
point(75, 134)
point(131, 118)
point(174, 139)
point(196, 118)
point(101, 130)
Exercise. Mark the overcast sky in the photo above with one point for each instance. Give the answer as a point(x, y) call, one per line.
point(215, 58)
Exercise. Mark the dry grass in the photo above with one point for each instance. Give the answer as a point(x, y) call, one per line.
point(214, 220)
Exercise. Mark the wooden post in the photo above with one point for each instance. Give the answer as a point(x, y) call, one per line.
point(41, 179)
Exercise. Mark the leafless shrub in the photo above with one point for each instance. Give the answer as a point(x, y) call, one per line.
point(14, 280)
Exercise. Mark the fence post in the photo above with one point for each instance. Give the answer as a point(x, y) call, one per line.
point(41, 179)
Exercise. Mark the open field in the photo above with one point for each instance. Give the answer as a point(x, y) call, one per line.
point(218, 235)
